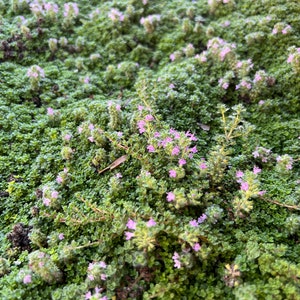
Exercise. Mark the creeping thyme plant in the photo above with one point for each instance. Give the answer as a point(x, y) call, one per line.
point(149, 149)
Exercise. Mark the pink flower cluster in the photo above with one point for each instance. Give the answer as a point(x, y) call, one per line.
point(71, 10)
point(201, 219)
point(115, 15)
point(96, 295)
point(263, 153)
point(35, 72)
point(177, 263)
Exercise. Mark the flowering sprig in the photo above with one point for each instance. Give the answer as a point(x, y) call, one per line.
point(70, 13)
point(96, 273)
point(35, 74)
point(150, 22)
point(294, 58)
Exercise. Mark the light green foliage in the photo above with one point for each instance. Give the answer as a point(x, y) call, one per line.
point(150, 149)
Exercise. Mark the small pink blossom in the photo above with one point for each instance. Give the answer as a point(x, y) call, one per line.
point(131, 224)
point(225, 85)
point(79, 129)
point(171, 86)
point(194, 223)
point(102, 264)
point(203, 166)
point(244, 186)
point(290, 58)
point(91, 277)
point(255, 154)
point(103, 277)
point(91, 127)
point(181, 162)
point(202, 218)
point(261, 102)
point(257, 78)
point(129, 235)
point(67, 137)
point(172, 57)
point(172, 173)
point(175, 151)
point(261, 193)
point(196, 247)
point(27, 279)
point(170, 196)
point(151, 148)
point(91, 139)
point(61, 236)
point(59, 179)
point(151, 223)
point(156, 134)
point(149, 118)
point(46, 201)
point(50, 111)
point(239, 174)
point(194, 149)
point(256, 170)
point(141, 125)
point(54, 194)
point(224, 52)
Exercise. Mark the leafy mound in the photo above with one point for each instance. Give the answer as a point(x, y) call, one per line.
point(149, 149)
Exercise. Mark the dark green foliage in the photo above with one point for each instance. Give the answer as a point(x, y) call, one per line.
point(149, 149)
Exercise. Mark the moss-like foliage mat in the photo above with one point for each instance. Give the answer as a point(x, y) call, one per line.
point(149, 149)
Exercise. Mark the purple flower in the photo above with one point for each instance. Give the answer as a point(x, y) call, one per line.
point(61, 236)
point(196, 247)
point(149, 118)
point(46, 201)
point(181, 162)
point(194, 223)
point(170, 196)
point(256, 170)
point(290, 58)
point(103, 276)
point(91, 277)
point(131, 224)
point(175, 150)
point(27, 279)
point(255, 154)
point(91, 139)
point(172, 173)
point(151, 223)
point(141, 125)
point(175, 258)
point(172, 57)
point(193, 150)
point(261, 193)
point(129, 235)
point(54, 194)
point(102, 264)
point(151, 148)
point(50, 111)
point(239, 174)
point(244, 186)
point(203, 166)
point(202, 218)
point(67, 137)
point(59, 179)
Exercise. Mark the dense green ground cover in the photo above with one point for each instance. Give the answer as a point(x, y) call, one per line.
point(150, 149)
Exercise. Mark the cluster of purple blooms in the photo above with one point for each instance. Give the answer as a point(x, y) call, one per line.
point(132, 226)
point(97, 295)
point(35, 72)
